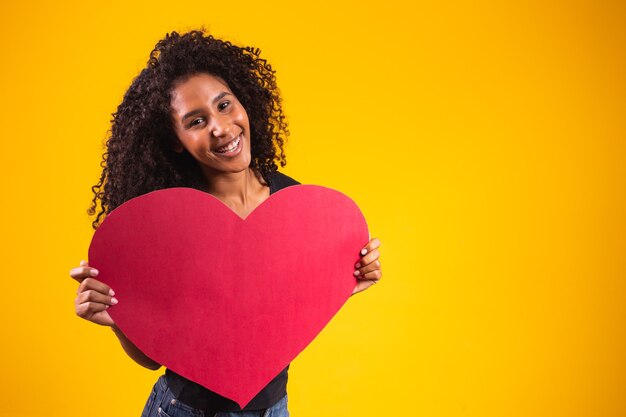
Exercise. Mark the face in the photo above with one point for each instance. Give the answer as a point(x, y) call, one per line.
point(211, 124)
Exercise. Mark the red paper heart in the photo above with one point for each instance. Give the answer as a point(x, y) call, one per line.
point(225, 302)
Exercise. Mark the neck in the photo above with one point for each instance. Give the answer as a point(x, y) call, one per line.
point(241, 191)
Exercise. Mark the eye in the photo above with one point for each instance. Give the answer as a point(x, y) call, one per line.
point(193, 122)
point(223, 105)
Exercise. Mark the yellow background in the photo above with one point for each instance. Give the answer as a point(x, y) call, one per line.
point(484, 141)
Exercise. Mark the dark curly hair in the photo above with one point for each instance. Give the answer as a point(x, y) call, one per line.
point(139, 156)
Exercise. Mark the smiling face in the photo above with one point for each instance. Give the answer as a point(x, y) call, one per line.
point(211, 124)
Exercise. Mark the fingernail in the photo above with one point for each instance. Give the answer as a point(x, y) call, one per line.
point(363, 251)
point(358, 265)
point(357, 273)
point(93, 272)
point(111, 292)
point(113, 300)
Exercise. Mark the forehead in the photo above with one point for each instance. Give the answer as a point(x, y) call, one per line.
point(196, 90)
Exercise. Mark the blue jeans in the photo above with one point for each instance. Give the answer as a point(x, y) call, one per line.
point(163, 403)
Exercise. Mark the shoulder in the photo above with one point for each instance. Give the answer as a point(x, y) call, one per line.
point(278, 181)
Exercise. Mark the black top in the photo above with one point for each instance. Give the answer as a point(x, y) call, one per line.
point(197, 396)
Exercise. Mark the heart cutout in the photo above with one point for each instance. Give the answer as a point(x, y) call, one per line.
point(226, 302)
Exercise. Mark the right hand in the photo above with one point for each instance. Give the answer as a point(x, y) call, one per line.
point(94, 297)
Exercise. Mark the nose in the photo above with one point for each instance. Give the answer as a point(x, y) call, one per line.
point(221, 126)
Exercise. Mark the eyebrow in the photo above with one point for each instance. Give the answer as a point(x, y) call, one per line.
point(196, 111)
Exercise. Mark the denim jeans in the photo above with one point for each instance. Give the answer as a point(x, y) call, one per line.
point(163, 403)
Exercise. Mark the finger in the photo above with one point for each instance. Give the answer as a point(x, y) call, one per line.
point(83, 272)
point(368, 259)
point(95, 296)
point(374, 275)
point(368, 268)
point(83, 263)
point(88, 309)
point(371, 245)
point(89, 305)
point(94, 284)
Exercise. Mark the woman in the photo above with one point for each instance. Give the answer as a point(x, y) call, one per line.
point(203, 114)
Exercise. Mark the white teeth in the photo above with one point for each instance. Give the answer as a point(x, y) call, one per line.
point(230, 147)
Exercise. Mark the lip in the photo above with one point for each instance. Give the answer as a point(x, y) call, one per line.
point(235, 151)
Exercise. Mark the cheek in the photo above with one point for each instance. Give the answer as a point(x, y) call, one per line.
point(241, 116)
point(194, 146)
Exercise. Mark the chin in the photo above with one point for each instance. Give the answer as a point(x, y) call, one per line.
point(234, 166)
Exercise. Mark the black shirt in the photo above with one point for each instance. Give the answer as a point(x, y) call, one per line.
point(197, 396)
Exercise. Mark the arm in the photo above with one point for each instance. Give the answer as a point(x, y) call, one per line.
point(134, 352)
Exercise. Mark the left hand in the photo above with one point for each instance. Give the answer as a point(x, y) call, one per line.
point(368, 270)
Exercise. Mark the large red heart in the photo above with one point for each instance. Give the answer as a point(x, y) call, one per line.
point(228, 303)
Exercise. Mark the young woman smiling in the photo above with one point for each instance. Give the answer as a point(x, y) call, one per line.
point(204, 114)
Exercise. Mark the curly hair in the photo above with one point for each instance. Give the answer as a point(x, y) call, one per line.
point(139, 156)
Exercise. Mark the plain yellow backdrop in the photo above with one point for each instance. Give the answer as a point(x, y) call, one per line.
point(484, 142)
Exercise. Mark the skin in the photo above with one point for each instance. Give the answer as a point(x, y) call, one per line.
point(217, 118)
